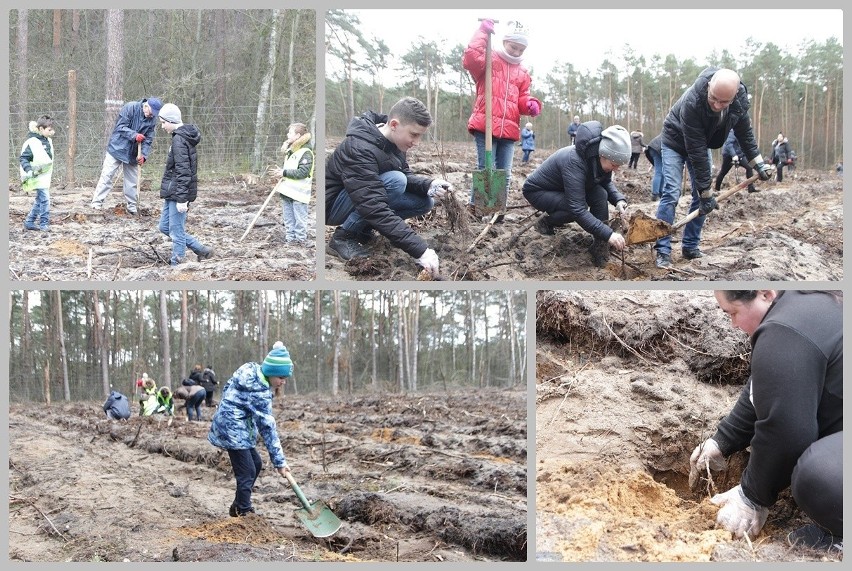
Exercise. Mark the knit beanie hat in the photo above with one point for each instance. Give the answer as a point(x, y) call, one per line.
point(171, 113)
point(277, 362)
point(516, 32)
point(155, 105)
point(615, 145)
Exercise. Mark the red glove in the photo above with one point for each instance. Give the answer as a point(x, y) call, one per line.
point(487, 26)
point(140, 161)
point(140, 137)
point(534, 107)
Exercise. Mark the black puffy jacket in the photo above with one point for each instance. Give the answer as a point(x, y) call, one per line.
point(355, 166)
point(692, 127)
point(180, 180)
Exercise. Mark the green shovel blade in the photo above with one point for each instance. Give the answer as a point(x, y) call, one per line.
point(489, 191)
point(319, 519)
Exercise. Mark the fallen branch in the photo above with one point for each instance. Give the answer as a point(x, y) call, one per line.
point(516, 235)
point(625, 345)
point(484, 231)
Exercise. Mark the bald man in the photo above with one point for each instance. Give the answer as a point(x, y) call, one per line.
point(699, 121)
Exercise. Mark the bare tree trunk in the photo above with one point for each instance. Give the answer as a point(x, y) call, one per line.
point(114, 69)
point(512, 334)
point(57, 33)
point(101, 332)
point(46, 383)
point(221, 31)
point(26, 335)
point(401, 345)
point(22, 46)
point(338, 342)
point(414, 334)
point(260, 123)
point(373, 347)
point(164, 336)
point(63, 353)
point(294, 33)
point(184, 321)
point(318, 335)
point(353, 303)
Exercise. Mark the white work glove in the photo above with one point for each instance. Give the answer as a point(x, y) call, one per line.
point(621, 206)
point(705, 454)
point(738, 514)
point(438, 189)
point(736, 159)
point(182, 207)
point(429, 261)
point(616, 240)
point(27, 176)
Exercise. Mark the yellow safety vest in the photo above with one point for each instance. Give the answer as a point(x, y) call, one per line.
point(296, 188)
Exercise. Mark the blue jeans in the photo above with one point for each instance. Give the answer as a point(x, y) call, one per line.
point(404, 204)
point(295, 216)
point(193, 403)
point(672, 181)
point(526, 157)
point(502, 153)
point(657, 182)
point(246, 464)
point(172, 224)
point(40, 210)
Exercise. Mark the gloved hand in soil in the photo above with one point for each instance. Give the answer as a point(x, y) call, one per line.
point(616, 240)
point(439, 188)
point(738, 514)
point(705, 454)
point(763, 170)
point(621, 207)
point(429, 261)
point(707, 202)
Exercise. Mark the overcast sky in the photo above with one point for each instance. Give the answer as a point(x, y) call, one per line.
point(585, 38)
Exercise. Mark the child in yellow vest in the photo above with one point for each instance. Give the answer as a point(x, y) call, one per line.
point(297, 173)
point(36, 169)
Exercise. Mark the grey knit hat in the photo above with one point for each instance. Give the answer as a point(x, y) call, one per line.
point(615, 145)
point(171, 113)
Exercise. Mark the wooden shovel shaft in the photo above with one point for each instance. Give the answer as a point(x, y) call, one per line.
point(488, 92)
point(722, 196)
point(256, 216)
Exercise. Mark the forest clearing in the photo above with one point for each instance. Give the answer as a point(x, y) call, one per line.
point(789, 231)
point(628, 383)
point(414, 477)
point(111, 245)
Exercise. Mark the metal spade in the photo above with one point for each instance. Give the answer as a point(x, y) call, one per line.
point(317, 517)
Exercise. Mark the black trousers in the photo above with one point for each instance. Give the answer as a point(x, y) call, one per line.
point(555, 203)
point(727, 163)
point(817, 483)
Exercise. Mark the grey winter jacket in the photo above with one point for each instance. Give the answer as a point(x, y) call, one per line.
point(244, 413)
point(130, 121)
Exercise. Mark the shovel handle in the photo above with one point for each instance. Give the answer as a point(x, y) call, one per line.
point(488, 92)
point(722, 196)
point(302, 499)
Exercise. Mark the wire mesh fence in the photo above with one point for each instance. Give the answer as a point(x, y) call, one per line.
point(228, 147)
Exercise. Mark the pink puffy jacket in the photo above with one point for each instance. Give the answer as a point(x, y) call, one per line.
point(510, 91)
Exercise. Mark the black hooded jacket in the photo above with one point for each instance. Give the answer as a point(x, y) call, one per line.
point(691, 127)
point(180, 180)
point(575, 170)
point(355, 166)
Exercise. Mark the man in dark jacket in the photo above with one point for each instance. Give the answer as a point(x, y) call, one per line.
point(209, 382)
point(572, 128)
point(790, 414)
point(782, 156)
point(128, 148)
point(699, 121)
point(180, 184)
point(574, 184)
point(369, 185)
point(117, 406)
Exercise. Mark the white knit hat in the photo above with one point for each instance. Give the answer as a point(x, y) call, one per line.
point(615, 145)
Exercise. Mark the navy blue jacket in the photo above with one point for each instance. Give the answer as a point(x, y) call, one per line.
point(130, 121)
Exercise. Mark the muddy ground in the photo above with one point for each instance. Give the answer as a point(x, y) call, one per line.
point(430, 477)
point(627, 384)
point(786, 231)
point(110, 245)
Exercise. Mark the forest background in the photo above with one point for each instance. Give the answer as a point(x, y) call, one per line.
point(75, 345)
point(797, 91)
point(241, 76)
